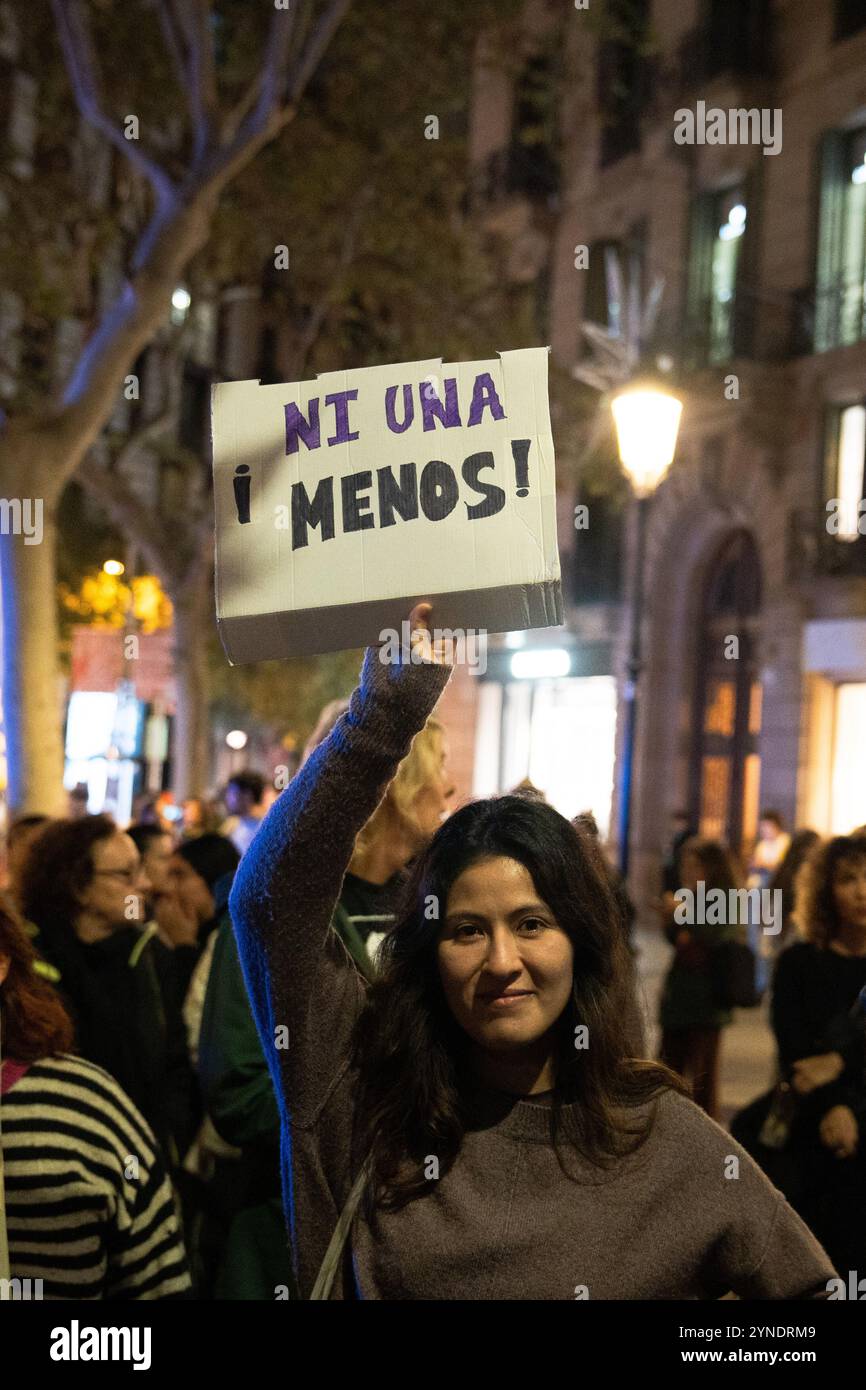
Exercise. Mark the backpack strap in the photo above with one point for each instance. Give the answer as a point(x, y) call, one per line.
point(334, 1253)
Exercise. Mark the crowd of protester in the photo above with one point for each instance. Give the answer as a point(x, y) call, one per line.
point(147, 1096)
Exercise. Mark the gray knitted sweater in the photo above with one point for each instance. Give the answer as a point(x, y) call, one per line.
point(672, 1221)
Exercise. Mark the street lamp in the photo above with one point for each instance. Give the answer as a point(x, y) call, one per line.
point(647, 419)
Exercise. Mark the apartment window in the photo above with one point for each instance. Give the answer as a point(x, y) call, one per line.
point(841, 265)
point(615, 278)
point(843, 511)
point(736, 36)
point(623, 79)
point(849, 17)
point(715, 309)
point(533, 157)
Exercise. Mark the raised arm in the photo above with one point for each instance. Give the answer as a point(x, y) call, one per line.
point(298, 973)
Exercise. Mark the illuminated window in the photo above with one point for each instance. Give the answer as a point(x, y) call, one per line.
point(850, 453)
point(847, 795)
point(841, 267)
point(725, 766)
point(719, 718)
point(719, 222)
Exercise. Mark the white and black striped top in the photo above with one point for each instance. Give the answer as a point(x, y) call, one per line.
point(89, 1207)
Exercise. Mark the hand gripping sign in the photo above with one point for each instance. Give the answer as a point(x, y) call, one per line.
point(341, 502)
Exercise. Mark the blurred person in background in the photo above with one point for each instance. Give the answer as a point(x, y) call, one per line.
point(190, 909)
point(77, 801)
point(79, 1216)
point(691, 1019)
point(771, 848)
point(19, 838)
point(785, 880)
point(818, 1155)
point(243, 799)
point(155, 846)
point(681, 829)
point(84, 890)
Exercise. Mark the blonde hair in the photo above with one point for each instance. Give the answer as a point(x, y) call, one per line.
point(420, 766)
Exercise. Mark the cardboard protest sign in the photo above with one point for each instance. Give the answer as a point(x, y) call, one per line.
point(343, 501)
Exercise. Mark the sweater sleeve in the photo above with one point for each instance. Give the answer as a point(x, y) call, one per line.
point(792, 1264)
point(763, 1249)
point(300, 978)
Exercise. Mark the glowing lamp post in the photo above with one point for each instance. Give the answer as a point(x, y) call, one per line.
point(647, 421)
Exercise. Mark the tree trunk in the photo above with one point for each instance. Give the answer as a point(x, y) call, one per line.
point(193, 616)
point(31, 678)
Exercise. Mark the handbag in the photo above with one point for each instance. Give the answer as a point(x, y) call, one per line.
point(776, 1129)
point(327, 1273)
point(732, 973)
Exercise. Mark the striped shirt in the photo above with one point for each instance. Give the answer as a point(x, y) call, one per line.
point(89, 1207)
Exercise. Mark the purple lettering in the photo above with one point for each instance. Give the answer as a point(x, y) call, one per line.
point(432, 408)
point(340, 401)
point(408, 409)
point(297, 425)
point(484, 395)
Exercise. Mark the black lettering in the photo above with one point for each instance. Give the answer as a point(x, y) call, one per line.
point(438, 489)
point(356, 510)
point(319, 512)
point(403, 498)
point(494, 497)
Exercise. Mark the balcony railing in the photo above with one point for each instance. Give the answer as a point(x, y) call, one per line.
point(521, 170)
point(839, 314)
point(762, 326)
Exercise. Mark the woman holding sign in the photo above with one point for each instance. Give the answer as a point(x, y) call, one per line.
point(471, 1125)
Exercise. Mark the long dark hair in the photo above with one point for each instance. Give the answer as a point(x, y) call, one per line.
point(33, 1020)
point(720, 867)
point(410, 1052)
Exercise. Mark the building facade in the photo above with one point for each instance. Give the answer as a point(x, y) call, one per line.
point(753, 222)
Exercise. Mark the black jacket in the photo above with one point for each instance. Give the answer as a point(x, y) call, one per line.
point(125, 998)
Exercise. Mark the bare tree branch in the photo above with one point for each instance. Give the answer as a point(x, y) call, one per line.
point(192, 18)
point(264, 87)
point(131, 516)
point(77, 46)
point(278, 89)
point(173, 41)
point(360, 206)
point(315, 47)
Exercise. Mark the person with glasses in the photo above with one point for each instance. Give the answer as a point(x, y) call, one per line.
point(84, 890)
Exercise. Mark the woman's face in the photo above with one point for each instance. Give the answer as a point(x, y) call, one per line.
point(190, 890)
point(849, 892)
point(505, 965)
point(430, 805)
point(114, 897)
